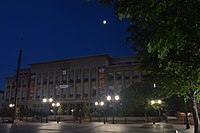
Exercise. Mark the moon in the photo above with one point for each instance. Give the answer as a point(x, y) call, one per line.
point(104, 21)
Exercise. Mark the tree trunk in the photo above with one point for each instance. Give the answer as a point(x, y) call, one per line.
point(195, 116)
point(186, 116)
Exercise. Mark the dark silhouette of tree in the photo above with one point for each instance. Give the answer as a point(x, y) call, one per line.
point(165, 36)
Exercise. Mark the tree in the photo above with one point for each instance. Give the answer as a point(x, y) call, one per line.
point(59, 110)
point(17, 111)
point(165, 36)
point(135, 99)
point(85, 111)
point(26, 112)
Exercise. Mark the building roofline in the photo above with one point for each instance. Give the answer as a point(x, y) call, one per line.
point(73, 58)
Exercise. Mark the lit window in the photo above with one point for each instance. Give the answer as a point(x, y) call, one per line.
point(64, 72)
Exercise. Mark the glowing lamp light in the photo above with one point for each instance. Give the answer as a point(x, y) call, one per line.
point(104, 21)
point(117, 97)
point(96, 103)
point(152, 102)
point(44, 100)
point(50, 100)
point(159, 101)
point(57, 104)
point(108, 98)
point(101, 103)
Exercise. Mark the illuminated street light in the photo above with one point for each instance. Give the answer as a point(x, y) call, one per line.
point(72, 110)
point(117, 97)
point(96, 103)
point(11, 105)
point(50, 100)
point(47, 101)
point(154, 85)
point(99, 104)
point(152, 102)
point(113, 99)
point(108, 98)
point(44, 100)
point(156, 103)
point(159, 102)
point(55, 105)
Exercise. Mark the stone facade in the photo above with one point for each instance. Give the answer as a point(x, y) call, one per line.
point(74, 82)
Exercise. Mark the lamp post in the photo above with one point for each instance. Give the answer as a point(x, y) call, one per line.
point(156, 104)
point(55, 105)
point(99, 104)
point(11, 105)
point(47, 101)
point(72, 110)
point(113, 99)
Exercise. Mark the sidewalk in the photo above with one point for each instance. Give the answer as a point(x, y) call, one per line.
point(182, 129)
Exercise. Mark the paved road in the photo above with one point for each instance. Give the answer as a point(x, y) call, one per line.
point(95, 127)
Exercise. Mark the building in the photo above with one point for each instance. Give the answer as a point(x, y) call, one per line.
point(1, 100)
point(74, 82)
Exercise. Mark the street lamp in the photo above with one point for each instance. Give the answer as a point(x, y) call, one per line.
point(11, 105)
point(72, 110)
point(113, 99)
point(156, 104)
point(46, 101)
point(55, 105)
point(99, 104)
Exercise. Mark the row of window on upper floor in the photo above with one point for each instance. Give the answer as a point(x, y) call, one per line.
point(69, 75)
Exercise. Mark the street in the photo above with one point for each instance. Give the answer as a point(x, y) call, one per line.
point(94, 127)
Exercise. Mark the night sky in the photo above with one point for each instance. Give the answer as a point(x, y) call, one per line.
point(57, 29)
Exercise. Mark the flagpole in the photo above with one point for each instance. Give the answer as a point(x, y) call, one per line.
point(17, 83)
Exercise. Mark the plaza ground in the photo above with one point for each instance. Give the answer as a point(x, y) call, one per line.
point(136, 126)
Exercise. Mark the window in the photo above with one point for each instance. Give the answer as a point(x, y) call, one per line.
point(135, 73)
point(110, 76)
point(86, 89)
point(51, 75)
point(85, 74)
point(45, 78)
point(57, 77)
point(93, 85)
point(23, 83)
point(71, 90)
point(94, 92)
point(71, 76)
point(118, 75)
point(78, 74)
point(13, 84)
point(110, 90)
point(64, 72)
point(78, 88)
point(127, 74)
point(93, 74)
point(38, 78)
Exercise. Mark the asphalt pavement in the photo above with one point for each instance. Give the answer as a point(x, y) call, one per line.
point(91, 127)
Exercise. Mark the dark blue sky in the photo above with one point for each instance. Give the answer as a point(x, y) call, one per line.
point(57, 29)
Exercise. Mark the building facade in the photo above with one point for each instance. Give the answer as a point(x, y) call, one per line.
point(1, 100)
point(74, 82)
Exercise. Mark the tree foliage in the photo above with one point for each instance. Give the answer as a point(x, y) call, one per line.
point(59, 110)
point(135, 99)
point(165, 35)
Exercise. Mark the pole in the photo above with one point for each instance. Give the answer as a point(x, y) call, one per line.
point(113, 119)
point(17, 80)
